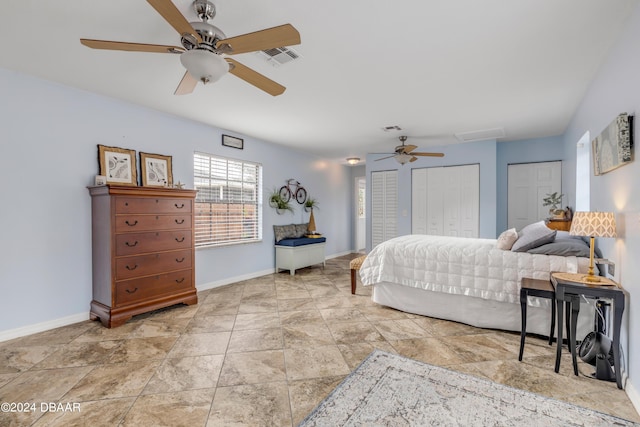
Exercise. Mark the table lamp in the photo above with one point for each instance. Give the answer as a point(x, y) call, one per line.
point(593, 224)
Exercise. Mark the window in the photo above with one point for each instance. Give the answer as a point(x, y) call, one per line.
point(228, 206)
point(583, 174)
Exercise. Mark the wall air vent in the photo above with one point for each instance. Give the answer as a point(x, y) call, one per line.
point(480, 135)
point(279, 55)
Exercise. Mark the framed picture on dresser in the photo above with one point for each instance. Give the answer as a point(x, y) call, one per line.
point(156, 170)
point(118, 165)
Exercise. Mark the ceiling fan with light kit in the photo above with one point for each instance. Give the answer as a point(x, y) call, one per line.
point(405, 154)
point(205, 47)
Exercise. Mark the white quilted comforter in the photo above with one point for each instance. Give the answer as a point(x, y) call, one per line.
point(463, 266)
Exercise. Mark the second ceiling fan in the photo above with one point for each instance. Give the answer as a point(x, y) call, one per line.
point(404, 153)
point(205, 47)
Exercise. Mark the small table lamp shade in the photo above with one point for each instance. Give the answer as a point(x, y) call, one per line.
point(593, 224)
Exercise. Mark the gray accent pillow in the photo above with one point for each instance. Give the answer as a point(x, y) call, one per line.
point(284, 232)
point(301, 229)
point(532, 236)
point(563, 247)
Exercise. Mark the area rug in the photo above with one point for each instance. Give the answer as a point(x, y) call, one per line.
point(391, 390)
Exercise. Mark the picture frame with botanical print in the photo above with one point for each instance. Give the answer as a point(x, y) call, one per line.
point(156, 170)
point(613, 147)
point(118, 165)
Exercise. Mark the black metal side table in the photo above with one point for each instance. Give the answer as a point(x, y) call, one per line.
point(568, 291)
point(535, 288)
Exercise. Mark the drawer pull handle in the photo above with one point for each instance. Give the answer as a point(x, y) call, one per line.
point(179, 207)
point(180, 222)
point(131, 292)
point(130, 245)
point(180, 240)
point(180, 260)
point(131, 225)
point(180, 280)
point(132, 268)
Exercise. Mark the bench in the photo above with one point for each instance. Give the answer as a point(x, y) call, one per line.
point(294, 250)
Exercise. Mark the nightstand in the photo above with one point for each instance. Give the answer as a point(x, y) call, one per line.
point(569, 291)
point(535, 288)
point(559, 224)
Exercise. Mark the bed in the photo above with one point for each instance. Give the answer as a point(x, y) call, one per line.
point(466, 280)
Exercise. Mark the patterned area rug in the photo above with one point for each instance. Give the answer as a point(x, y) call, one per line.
point(391, 390)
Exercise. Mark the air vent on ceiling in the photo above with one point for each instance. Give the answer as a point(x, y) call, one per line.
point(480, 135)
point(391, 128)
point(279, 55)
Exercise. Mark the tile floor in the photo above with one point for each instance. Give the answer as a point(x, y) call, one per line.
point(262, 352)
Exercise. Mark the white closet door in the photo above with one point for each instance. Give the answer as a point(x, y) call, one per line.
point(384, 206)
point(528, 184)
point(446, 201)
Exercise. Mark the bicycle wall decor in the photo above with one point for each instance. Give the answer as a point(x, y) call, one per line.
point(293, 189)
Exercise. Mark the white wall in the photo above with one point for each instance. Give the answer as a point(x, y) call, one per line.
point(48, 139)
point(616, 89)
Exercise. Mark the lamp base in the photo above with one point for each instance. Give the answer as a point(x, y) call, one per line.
point(591, 278)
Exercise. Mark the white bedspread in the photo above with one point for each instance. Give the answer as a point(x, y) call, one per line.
point(463, 266)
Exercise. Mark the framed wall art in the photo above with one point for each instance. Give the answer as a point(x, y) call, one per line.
point(156, 170)
point(232, 141)
point(612, 148)
point(118, 165)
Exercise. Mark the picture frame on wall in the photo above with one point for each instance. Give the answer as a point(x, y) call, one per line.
point(156, 170)
point(118, 165)
point(233, 142)
point(612, 148)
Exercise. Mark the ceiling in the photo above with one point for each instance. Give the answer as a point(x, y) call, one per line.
point(433, 67)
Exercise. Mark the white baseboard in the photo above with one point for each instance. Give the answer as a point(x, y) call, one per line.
point(633, 394)
point(229, 280)
point(43, 326)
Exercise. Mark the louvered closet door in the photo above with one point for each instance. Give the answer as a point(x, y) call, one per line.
point(384, 206)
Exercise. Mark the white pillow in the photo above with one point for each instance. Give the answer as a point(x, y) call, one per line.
point(532, 236)
point(507, 239)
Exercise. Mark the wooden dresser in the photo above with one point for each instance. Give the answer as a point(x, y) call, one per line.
point(143, 251)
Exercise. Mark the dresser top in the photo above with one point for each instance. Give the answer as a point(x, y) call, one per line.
point(126, 190)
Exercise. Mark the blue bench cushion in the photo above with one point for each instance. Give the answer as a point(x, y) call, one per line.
point(301, 241)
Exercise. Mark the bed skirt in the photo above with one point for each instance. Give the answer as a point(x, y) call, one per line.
point(478, 312)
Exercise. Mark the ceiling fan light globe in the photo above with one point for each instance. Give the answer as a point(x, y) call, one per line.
point(403, 158)
point(203, 65)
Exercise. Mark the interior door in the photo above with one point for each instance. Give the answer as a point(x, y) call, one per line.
point(528, 184)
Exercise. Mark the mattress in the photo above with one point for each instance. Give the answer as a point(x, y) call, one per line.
point(461, 266)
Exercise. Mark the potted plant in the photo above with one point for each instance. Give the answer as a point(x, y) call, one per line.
point(276, 201)
point(554, 200)
point(310, 204)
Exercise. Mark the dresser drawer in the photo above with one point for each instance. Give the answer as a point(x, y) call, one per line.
point(131, 223)
point(125, 205)
point(144, 265)
point(135, 290)
point(153, 241)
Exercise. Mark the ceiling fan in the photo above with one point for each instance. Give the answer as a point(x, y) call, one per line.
point(205, 46)
point(405, 153)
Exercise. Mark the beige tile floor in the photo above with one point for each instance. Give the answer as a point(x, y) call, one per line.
point(262, 352)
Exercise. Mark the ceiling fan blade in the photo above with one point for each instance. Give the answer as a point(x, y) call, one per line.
point(187, 84)
point(408, 148)
point(388, 157)
point(172, 15)
point(255, 78)
point(131, 47)
point(284, 35)
point(413, 159)
point(428, 154)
